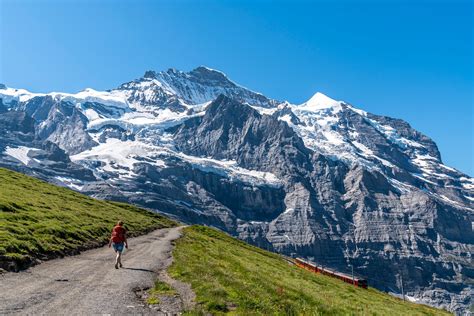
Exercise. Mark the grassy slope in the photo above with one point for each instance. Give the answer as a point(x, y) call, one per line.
point(230, 276)
point(40, 220)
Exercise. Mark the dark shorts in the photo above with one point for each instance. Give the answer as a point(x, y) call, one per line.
point(118, 246)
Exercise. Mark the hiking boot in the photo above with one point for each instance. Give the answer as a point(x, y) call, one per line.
point(120, 265)
point(116, 266)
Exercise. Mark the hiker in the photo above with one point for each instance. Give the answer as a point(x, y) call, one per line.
point(118, 240)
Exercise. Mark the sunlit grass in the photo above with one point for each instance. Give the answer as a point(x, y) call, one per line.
point(160, 289)
point(38, 219)
point(232, 277)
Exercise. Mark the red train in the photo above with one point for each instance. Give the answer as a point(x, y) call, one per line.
point(359, 282)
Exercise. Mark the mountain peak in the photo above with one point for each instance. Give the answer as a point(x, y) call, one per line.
point(198, 86)
point(320, 101)
point(208, 73)
point(150, 74)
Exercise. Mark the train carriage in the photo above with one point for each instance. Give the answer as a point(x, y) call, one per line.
point(357, 281)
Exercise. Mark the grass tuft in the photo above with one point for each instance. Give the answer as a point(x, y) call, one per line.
point(153, 300)
point(160, 289)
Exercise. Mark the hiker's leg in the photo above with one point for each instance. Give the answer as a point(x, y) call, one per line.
point(117, 258)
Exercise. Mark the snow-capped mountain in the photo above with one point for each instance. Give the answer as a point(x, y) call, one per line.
point(322, 179)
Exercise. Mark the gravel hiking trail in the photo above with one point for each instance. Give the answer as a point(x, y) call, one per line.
point(88, 284)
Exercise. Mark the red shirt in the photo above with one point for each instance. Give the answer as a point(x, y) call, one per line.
point(118, 234)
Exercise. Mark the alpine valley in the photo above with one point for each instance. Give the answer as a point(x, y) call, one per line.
point(322, 180)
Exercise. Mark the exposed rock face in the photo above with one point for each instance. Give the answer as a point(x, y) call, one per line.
point(232, 131)
point(322, 180)
point(22, 149)
point(19, 123)
point(66, 123)
point(175, 89)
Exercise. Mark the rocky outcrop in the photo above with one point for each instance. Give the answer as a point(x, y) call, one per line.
point(64, 123)
point(232, 131)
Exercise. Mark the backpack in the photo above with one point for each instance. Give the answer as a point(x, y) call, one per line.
point(118, 234)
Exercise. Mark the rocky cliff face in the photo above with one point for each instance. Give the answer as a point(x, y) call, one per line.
point(322, 180)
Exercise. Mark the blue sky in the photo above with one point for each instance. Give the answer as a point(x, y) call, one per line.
point(405, 59)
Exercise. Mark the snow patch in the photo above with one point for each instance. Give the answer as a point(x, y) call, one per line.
point(264, 111)
point(288, 210)
point(20, 95)
point(71, 183)
point(358, 111)
point(91, 115)
point(363, 148)
point(119, 156)
point(445, 198)
point(467, 183)
point(113, 98)
point(231, 170)
point(20, 153)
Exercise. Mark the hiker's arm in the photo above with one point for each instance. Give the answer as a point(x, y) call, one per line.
point(126, 243)
point(110, 241)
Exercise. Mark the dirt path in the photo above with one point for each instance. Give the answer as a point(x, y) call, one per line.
point(88, 284)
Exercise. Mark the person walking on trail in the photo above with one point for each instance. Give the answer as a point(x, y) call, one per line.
point(118, 240)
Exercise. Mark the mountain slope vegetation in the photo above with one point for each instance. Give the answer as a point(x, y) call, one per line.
point(233, 277)
point(40, 221)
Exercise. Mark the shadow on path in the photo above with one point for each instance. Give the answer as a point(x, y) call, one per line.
point(138, 269)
